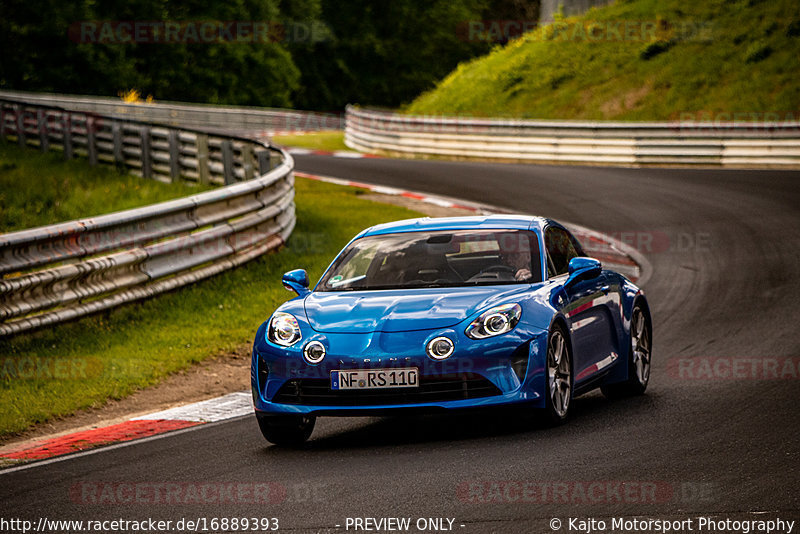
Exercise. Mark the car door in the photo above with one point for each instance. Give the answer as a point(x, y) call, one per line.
point(584, 304)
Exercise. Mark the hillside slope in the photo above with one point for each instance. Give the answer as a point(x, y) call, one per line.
point(638, 60)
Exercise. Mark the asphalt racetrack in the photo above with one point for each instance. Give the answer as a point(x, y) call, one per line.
point(716, 435)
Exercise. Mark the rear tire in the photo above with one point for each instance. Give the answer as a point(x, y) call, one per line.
point(558, 382)
point(639, 358)
point(286, 430)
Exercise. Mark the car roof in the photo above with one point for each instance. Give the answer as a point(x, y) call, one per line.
point(480, 222)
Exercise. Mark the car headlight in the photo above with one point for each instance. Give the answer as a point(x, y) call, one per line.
point(283, 329)
point(495, 321)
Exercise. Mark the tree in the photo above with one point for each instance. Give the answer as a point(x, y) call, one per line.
point(52, 52)
point(384, 53)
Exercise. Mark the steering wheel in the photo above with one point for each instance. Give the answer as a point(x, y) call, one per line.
point(499, 269)
point(495, 272)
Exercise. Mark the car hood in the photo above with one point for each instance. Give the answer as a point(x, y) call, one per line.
point(402, 310)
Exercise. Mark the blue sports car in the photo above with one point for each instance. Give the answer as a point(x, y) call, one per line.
point(449, 313)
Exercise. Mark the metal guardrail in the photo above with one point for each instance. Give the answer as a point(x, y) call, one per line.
point(56, 273)
point(204, 116)
point(611, 143)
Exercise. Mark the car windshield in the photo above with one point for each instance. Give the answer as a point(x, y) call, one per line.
point(435, 259)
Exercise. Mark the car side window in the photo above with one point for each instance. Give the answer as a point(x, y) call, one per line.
point(560, 250)
point(577, 244)
point(551, 271)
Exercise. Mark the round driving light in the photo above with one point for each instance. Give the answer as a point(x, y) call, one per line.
point(314, 352)
point(440, 348)
point(495, 323)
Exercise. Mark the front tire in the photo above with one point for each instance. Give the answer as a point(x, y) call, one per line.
point(558, 384)
point(286, 430)
point(639, 359)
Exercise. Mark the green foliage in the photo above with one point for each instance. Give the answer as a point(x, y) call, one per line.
point(714, 56)
point(44, 51)
point(384, 53)
point(320, 54)
point(38, 189)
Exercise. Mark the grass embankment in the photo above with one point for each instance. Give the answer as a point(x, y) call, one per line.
point(680, 58)
point(58, 370)
point(38, 189)
point(330, 141)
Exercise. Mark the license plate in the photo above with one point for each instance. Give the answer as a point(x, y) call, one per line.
point(375, 378)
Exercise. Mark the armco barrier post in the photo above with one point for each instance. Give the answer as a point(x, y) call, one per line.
point(66, 134)
point(248, 162)
point(91, 140)
point(20, 126)
point(2, 123)
point(44, 139)
point(144, 139)
point(174, 155)
point(202, 159)
point(263, 162)
point(227, 161)
point(116, 132)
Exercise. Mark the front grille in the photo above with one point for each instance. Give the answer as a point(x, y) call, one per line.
point(318, 392)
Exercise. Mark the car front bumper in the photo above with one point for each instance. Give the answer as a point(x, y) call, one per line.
point(503, 370)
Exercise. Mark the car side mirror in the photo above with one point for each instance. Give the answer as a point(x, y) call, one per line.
point(296, 281)
point(582, 268)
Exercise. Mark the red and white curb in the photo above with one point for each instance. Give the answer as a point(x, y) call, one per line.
point(267, 134)
point(444, 202)
point(208, 411)
point(199, 413)
point(335, 153)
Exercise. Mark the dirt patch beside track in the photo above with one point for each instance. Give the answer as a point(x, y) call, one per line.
point(210, 378)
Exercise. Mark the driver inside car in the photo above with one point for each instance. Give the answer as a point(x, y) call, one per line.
point(520, 263)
